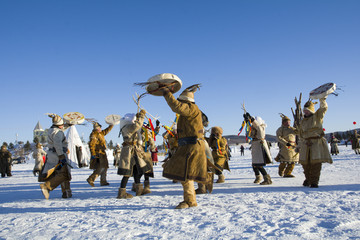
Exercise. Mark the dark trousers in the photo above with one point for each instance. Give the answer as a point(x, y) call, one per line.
point(136, 176)
point(258, 170)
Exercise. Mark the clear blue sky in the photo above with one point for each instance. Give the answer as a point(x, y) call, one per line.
point(84, 56)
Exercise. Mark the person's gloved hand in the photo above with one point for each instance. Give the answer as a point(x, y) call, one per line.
point(141, 113)
point(251, 118)
point(157, 123)
point(62, 161)
point(165, 90)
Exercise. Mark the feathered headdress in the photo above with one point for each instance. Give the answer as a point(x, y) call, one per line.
point(94, 122)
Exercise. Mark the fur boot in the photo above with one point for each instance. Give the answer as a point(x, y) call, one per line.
point(139, 189)
point(44, 190)
point(290, 167)
point(257, 179)
point(209, 182)
point(201, 189)
point(146, 188)
point(182, 205)
point(221, 179)
point(267, 180)
point(122, 194)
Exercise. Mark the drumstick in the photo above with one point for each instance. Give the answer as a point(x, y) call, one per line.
point(138, 104)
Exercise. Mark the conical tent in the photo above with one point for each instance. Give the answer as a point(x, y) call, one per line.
point(74, 142)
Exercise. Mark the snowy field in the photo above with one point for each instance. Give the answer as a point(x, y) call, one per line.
point(237, 209)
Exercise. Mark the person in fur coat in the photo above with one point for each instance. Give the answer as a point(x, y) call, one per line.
point(98, 162)
point(219, 147)
point(334, 145)
point(5, 161)
point(117, 153)
point(189, 162)
point(354, 139)
point(133, 162)
point(314, 149)
point(260, 153)
point(288, 155)
point(56, 170)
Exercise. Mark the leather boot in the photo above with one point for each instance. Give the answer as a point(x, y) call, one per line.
point(306, 183)
point(146, 188)
point(122, 194)
point(139, 189)
point(221, 179)
point(133, 188)
point(267, 180)
point(67, 194)
point(201, 189)
point(90, 182)
point(257, 179)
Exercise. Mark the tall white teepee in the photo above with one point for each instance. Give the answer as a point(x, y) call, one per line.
point(74, 140)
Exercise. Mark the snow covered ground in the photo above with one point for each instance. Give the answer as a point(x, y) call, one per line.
point(237, 209)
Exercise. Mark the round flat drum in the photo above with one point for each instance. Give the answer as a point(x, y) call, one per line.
point(113, 119)
point(168, 80)
point(74, 118)
point(323, 91)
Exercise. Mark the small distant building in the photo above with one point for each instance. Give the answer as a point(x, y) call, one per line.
point(40, 133)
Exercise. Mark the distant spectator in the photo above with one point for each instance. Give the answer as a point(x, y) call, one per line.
point(334, 145)
point(354, 138)
point(5, 162)
point(38, 156)
point(242, 150)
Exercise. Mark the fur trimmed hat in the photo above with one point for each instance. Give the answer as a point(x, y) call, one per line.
point(217, 130)
point(187, 96)
point(284, 118)
point(260, 121)
point(127, 119)
point(56, 119)
point(188, 93)
point(310, 106)
point(96, 125)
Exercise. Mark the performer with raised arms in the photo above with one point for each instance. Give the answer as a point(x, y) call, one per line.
point(314, 149)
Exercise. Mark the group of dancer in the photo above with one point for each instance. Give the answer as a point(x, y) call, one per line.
point(190, 158)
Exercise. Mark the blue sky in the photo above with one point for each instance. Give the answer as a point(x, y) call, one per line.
point(85, 56)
